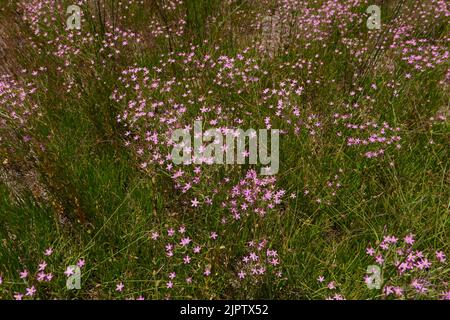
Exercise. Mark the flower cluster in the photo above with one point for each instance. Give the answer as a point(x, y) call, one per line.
point(330, 287)
point(34, 280)
point(253, 195)
point(261, 264)
point(410, 273)
point(187, 260)
point(369, 135)
point(17, 108)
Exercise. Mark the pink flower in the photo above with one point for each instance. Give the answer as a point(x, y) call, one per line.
point(388, 290)
point(24, 274)
point(18, 296)
point(30, 291)
point(409, 239)
point(48, 252)
point(423, 264)
point(379, 259)
point(445, 295)
point(367, 279)
point(253, 256)
point(419, 285)
point(42, 266)
point(81, 263)
point(155, 235)
point(194, 203)
point(321, 279)
point(185, 241)
point(69, 271)
point(169, 284)
point(213, 235)
point(197, 249)
point(274, 262)
point(41, 276)
point(384, 245)
point(398, 291)
point(440, 256)
point(119, 287)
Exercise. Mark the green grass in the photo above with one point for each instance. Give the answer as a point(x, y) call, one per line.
point(103, 207)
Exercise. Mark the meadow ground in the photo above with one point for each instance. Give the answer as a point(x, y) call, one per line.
point(87, 183)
